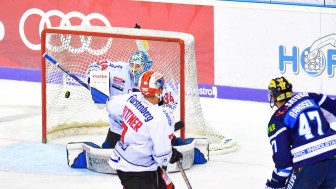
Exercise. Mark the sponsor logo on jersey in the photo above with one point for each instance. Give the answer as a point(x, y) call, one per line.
point(279, 112)
point(171, 106)
point(118, 83)
point(118, 87)
point(168, 117)
point(142, 109)
point(118, 80)
point(314, 148)
point(115, 66)
point(271, 128)
point(298, 154)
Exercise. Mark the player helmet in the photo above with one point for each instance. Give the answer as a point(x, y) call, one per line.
point(139, 63)
point(279, 89)
point(150, 82)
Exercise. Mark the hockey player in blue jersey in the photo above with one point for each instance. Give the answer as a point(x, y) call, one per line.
point(303, 144)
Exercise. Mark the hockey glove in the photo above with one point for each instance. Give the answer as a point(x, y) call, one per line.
point(98, 97)
point(177, 156)
point(135, 90)
point(274, 184)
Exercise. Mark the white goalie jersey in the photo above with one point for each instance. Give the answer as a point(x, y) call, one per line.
point(146, 137)
point(120, 79)
point(121, 82)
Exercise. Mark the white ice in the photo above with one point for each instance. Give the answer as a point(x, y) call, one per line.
point(28, 164)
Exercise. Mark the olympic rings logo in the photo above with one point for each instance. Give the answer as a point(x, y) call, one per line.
point(65, 21)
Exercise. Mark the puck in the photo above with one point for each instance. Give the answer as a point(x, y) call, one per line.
point(67, 94)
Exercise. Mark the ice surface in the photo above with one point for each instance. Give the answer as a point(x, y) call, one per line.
point(28, 164)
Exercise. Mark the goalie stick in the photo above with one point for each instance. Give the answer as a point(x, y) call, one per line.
point(183, 174)
point(45, 55)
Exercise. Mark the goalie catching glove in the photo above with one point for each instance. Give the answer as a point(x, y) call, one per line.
point(99, 86)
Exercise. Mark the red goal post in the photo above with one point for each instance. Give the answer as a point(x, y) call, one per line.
point(76, 47)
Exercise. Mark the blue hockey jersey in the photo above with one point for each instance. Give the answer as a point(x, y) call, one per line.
point(300, 133)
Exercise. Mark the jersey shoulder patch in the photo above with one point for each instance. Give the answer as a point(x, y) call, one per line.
point(271, 128)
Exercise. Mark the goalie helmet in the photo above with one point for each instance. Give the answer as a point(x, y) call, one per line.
point(279, 89)
point(139, 63)
point(150, 82)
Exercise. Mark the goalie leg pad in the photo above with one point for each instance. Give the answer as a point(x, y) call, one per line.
point(187, 151)
point(199, 157)
point(75, 150)
point(201, 148)
point(80, 161)
point(89, 155)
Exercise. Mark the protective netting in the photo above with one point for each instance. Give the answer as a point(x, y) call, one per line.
point(75, 48)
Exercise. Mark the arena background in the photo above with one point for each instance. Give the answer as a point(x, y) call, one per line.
point(240, 45)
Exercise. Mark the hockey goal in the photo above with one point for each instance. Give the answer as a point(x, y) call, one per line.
point(67, 108)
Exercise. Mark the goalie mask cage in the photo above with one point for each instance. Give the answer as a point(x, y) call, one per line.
point(76, 47)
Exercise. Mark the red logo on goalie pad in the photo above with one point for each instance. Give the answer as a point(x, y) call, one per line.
point(86, 148)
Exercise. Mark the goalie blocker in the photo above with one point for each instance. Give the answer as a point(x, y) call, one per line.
point(99, 83)
point(91, 156)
